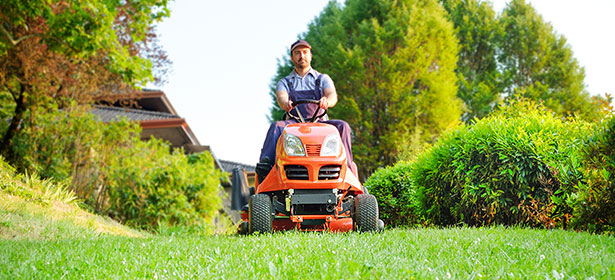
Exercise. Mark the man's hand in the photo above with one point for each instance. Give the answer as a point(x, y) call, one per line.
point(324, 103)
point(287, 106)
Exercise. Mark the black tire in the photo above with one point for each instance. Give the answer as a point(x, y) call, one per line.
point(259, 215)
point(366, 213)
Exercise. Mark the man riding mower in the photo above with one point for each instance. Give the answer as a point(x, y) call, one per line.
point(310, 186)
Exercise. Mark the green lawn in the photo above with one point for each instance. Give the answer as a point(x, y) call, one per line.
point(460, 253)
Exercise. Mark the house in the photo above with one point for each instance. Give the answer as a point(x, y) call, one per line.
point(157, 117)
point(249, 170)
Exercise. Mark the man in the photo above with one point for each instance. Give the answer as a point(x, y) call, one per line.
point(302, 83)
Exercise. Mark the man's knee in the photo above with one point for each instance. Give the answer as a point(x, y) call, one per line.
point(280, 125)
point(345, 126)
point(277, 124)
point(342, 126)
point(276, 127)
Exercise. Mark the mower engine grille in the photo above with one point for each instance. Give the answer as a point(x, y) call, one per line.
point(329, 172)
point(296, 172)
point(313, 150)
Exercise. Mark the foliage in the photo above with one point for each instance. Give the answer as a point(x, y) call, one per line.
point(515, 54)
point(73, 146)
point(393, 63)
point(52, 52)
point(150, 186)
point(7, 107)
point(595, 207)
point(113, 171)
point(285, 66)
point(392, 187)
point(537, 63)
point(478, 31)
point(519, 166)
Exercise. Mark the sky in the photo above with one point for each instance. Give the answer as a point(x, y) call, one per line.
point(225, 54)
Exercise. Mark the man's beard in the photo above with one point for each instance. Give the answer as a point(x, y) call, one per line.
point(300, 65)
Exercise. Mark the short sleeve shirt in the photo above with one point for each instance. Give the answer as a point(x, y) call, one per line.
point(307, 82)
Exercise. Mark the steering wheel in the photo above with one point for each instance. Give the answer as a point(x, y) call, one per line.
point(300, 118)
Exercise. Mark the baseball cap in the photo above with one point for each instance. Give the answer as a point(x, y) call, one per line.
point(299, 43)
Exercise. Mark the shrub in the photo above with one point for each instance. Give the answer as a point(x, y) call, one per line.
point(140, 183)
point(7, 109)
point(594, 209)
point(519, 166)
point(73, 147)
point(392, 188)
point(150, 187)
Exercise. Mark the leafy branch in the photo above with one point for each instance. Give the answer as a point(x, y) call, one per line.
point(13, 41)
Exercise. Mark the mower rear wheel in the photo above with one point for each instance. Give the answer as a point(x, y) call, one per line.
point(260, 216)
point(365, 213)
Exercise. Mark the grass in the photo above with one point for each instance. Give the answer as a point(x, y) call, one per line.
point(460, 253)
point(45, 235)
point(22, 218)
point(34, 208)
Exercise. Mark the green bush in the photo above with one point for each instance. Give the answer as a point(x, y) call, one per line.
point(594, 209)
point(518, 167)
point(140, 183)
point(73, 147)
point(392, 187)
point(150, 187)
point(7, 109)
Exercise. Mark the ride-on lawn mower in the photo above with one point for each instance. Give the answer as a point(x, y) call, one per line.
point(310, 186)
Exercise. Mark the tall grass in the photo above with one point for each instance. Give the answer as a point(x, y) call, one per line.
point(41, 209)
point(32, 187)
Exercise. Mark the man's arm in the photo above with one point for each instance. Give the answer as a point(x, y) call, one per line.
point(329, 98)
point(283, 100)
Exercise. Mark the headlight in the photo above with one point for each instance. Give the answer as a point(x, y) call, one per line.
point(293, 145)
point(332, 146)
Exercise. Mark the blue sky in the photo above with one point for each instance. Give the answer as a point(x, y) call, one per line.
point(225, 54)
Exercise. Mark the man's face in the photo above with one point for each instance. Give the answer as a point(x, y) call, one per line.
point(302, 57)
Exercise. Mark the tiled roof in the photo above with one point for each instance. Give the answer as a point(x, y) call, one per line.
point(107, 114)
point(228, 166)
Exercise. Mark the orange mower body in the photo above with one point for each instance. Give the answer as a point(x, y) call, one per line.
point(310, 187)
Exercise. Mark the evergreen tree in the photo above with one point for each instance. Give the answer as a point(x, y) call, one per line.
point(393, 66)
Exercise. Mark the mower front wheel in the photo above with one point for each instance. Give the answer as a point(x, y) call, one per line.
point(366, 213)
point(260, 216)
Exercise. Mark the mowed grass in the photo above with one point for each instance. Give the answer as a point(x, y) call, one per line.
point(459, 253)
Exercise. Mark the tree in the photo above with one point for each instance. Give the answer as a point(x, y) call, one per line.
point(393, 65)
point(57, 51)
point(537, 63)
point(515, 55)
point(478, 31)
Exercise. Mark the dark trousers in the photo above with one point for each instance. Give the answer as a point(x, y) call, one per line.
point(276, 128)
